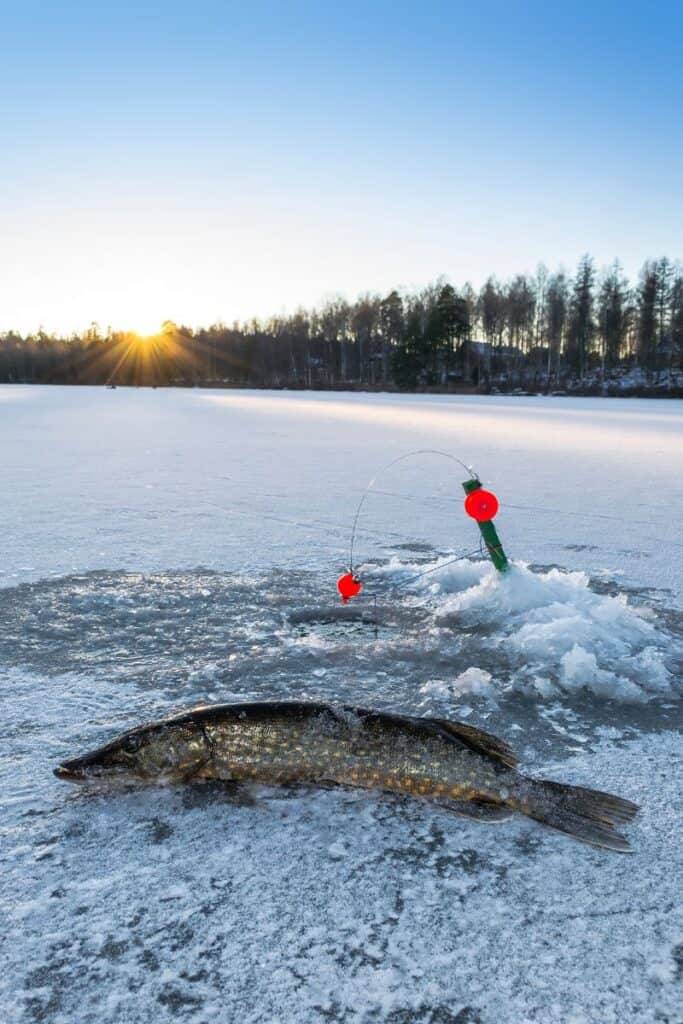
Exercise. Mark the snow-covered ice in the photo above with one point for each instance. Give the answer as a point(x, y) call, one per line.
point(167, 547)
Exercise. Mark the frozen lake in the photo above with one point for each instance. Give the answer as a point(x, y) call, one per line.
point(166, 547)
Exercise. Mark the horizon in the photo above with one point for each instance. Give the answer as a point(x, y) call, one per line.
point(220, 164)
point(405, 293)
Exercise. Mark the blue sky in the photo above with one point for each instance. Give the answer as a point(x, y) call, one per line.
point(205, 161)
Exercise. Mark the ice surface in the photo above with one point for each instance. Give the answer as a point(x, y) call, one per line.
point(141, 479)
point(164, 548)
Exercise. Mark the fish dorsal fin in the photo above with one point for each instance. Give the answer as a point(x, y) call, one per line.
point(482, 742)
point(457, 732)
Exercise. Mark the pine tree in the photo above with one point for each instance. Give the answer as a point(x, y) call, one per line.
point(613, 317)
point(581, 325)
point(491, 313)
point(391, 325)
point(408, 362)
point(647, 317)
point(676, 350)
point(557, 303)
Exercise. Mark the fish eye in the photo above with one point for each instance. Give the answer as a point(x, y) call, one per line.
point(131, 744)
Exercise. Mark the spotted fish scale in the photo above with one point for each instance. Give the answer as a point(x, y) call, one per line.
point(278, 743)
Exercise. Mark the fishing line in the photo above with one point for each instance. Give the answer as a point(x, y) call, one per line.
point(435, 499)
point(351, 580)
point(320, 526)
point(411, 579)
point(370, 486)
point(578, 515)
point(442, 565)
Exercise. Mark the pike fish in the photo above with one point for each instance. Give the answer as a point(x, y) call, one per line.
point(283, 743)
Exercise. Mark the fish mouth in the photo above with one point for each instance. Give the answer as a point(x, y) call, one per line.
point(81, 769)
point(70, 772)
point(88, 767)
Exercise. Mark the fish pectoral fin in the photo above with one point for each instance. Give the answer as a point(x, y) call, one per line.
point(479, 810)
point(482, 742)
point(243, 794)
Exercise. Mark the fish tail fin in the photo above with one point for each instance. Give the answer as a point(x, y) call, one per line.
point(585, 814)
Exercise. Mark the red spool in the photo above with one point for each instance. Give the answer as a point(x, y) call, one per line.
point(481, 505)
point(348, 586)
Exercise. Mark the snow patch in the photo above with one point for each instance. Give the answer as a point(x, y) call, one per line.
point(472, 681)
point(562, 635)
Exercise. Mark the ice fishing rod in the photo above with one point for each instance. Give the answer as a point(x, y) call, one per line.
point(481, 505)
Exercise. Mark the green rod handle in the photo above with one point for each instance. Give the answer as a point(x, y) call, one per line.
point(489, 533)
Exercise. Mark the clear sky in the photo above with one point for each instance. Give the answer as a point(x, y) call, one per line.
point(199, 161)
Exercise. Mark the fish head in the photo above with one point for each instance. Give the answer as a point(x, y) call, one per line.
point(159, 752)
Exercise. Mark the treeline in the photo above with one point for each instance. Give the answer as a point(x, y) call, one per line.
point(540, 332)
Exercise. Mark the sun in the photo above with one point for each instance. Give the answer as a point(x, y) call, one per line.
point(172, 354)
